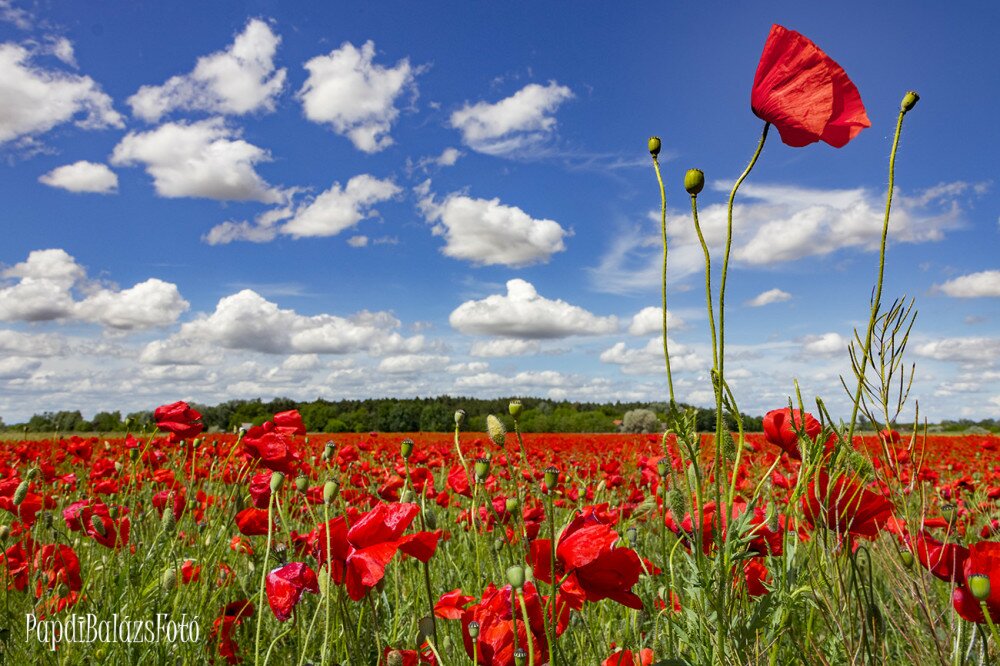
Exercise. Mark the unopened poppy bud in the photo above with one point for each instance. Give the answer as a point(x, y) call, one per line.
point(119, 467)
point(277, 480)
point(21, 492)
point(430, 519)
point(482, 468)
point(910, 100)
point(394, 658)
point(98, 525)
point(46, 519)
point(498, 545)
point(663, 467)
point(329, 450)
point(907, 558)
point(4, 532)
point(515, 408)
point(459, 416)
point(133, 454)
point(515, 576)
point(632, 534)
point(654, 145)
point(473, 629)
point(520, 657)
point(949, 512)
point(979, 585)
point(168, 520)
point(510, 505)
point(772, 518)
point(551, 477)
point(406, 448)
point(169, 579)
point(32, 473)
point(330, 491)
point(496, 430)
point(426, 626)
point(694, 181)
point(113, 512)
point(302, 483)
point(408, 496)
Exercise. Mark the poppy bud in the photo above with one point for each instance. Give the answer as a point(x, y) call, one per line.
point(98, 525)
point(426, 626)
point(910, 100)
point(515, 408)
point(520, 657)
point(118, 467)
point(529, 574)
point(496, 430)
point(169, 579)
point(4, 532)
point(511, 504)
point(482, 468)
point(394, 658)
point(694, 181)
point(663, 467)
point(329, 450)
point(133, 455)
point(772, 518)
point(407, 497)
point(406, 448)
point(473, 629)
point(907, 558)
point(675, 500)
point(277, 479)
point(430, 519)
point(113, 512)
point(949, 512)
point(515, 576)
point(302, 483)
point(632, 534)
point(551, 476)
point(459, 416)
point(654, 145)
point(21, 493)
point(979, 585)
point(330, 491)
point(32, 473)
point(168, 520)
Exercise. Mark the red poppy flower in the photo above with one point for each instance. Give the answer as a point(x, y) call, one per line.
point(289, 423)
point(755, 575)
point(190, 572)
point(588, 564)
point(494, 614)
point(272, 449)
point(452, 604)
point(56, 564)
point(643, 657)
point(284, 587)
point(846, 507)
point(805, 94)
point(983, 560)
point(260, 489)
point(224, 627)
point(945, 561)
point(778, 430)
point(252, 522)
point(179, 419)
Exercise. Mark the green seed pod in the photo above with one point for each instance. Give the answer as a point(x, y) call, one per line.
point(979, 585)
point(907, 558)
point(329, 450)
point(515, 576)
point(910, 100)
point(511, 504)
point(168, 580)
point(663, 467)
point(482, 468)
point(515, 408)
point(949, 512)
point(330, 491)
point(113, 512)
point(473, 630)
point(632, 536)
point(302, 483)
point(21, 492)
point(496, 430)
point(277, 480)
point(133, 454)
point(694, 181)
point(529, 574)
point(497, 545)
point(520, 657)
point(654, 145)
point(406, 448)
point(551, 477)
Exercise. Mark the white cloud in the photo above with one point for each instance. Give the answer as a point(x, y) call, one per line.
point(44, 291)
point(14, 15)
point(239, 80)
point(339, 208)
point(983, 351)
point(247, 321)
point(827, 344)
point(650, 320)
point(768, 297)
point(448, 157)
point(33, 344)
point(205, 159)
point(412, 363)
point(489, 233)
point(648, 360)
point(776, 224)
point(15, 368)
point(974, 285)
point(358, 241)
point(514, 123)
point(501, 347)
point(82, 176)
point(522, 313)
point(355, 96)
point(474, 367)
point(34, 100)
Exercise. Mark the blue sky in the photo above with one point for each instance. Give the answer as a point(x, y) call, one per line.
point(208, 201)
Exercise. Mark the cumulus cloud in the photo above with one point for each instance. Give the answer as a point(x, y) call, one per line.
point(967, 350)
point(489, 233)
point(648, 360)
point(650, 320)
point(16, 368)
point(33, 345)
point(974, 285)
point(45, 288)
point(517, 122)
point(249, 322)
point(205, 159)
point(827, 344)
point(768, 297)
point(778, 224)
point(82, 176)
point(239, 80)
point(355, 96)
point(412, 363)
point(522, 313)
point(502, 347)
point(33, 100)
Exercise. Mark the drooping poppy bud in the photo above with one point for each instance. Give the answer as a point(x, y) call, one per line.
point(21, 492)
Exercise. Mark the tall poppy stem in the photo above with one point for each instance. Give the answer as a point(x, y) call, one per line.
point(877, 298)
point(263, 575)
point(663, 284)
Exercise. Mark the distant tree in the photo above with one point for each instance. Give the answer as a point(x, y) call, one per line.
point(640, 421)
point(107, 422)
point(437, 417)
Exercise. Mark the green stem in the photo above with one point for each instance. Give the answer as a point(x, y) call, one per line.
point(527, 627)
point(663, 289)
point(877, 298)
point(263, 576)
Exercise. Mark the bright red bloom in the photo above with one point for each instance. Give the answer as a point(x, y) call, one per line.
point(56, 564)
point(496, 625)
point(273, 449)
point(643, 657)
point(755, 575)
point(285, 585)
point(983, 560)
point(29, 506)
point(588, 564)
point(289, 423)
point(190, 572)
point(945, 561)
point(846, 507)
point(805, 94)
point(86, 515)
point(180, 420)
point(225, 625)
point(778, 430)
point(452, 604)
point(252, 522)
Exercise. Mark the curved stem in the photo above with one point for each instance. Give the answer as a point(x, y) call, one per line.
point(708, 281)
point(663, 284)
point(876, 299)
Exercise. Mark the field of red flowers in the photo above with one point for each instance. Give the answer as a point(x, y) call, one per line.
point(273, 546)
